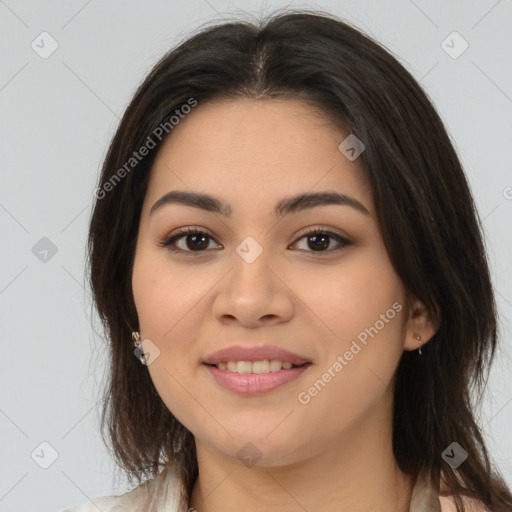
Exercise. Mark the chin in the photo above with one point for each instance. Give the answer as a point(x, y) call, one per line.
point(257, 450)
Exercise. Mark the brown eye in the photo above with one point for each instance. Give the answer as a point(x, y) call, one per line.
point(195, 240)
point(318, 240)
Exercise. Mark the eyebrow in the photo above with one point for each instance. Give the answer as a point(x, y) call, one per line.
point(284, 207)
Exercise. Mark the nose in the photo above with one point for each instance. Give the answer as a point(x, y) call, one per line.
point(254, 293)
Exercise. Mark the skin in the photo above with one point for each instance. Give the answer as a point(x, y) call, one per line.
point(335, 452)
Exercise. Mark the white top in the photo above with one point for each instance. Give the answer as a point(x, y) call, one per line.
point(166, 493)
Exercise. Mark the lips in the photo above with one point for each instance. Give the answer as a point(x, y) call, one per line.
point(250, 385)
point(252, 354)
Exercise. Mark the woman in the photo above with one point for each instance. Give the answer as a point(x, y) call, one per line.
point(283, 228)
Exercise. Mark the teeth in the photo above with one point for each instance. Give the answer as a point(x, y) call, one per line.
point(275, 365)
point(257, 367)
point(244, 367)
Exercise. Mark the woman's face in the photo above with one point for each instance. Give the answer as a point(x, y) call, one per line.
point(253, 278)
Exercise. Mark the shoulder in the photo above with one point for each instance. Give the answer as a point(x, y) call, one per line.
point(447, 504)
point(129, 501)
point(154, 494)
point(105, 504)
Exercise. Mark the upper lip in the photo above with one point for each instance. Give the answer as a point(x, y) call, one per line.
point(244, 353)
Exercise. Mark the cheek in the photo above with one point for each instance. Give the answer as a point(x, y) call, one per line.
point(164, 295)
point(359, 314)
point(347, 300)
point(167, 303)
point(358, 363)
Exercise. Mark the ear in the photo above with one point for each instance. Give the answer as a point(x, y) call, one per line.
point(419, 324)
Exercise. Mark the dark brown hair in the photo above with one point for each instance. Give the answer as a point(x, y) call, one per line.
point(427, 216)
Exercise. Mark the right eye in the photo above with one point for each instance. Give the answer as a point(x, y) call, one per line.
point(196, 236)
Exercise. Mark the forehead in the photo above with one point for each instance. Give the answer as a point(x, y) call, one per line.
point(255, 152)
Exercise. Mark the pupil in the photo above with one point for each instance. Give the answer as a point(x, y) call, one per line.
point(195, 237)
point(321, 245)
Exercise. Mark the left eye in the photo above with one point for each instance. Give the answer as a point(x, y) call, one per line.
point(317, 238)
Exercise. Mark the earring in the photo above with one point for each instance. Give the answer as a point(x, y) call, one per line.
point(418, 337)
point(139, 353)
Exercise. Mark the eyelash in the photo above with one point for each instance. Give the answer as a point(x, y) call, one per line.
point(182, 232)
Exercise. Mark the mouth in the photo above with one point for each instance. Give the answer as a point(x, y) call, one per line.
point(254, 370)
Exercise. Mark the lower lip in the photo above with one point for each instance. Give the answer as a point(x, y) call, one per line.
point(255, 384)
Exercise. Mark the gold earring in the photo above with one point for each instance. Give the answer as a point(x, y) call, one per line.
point(139, 352)
point(418, 337)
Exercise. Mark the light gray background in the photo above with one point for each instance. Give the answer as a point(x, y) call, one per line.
point(58, 115)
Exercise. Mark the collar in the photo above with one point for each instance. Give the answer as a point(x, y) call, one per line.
point(425, 496)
